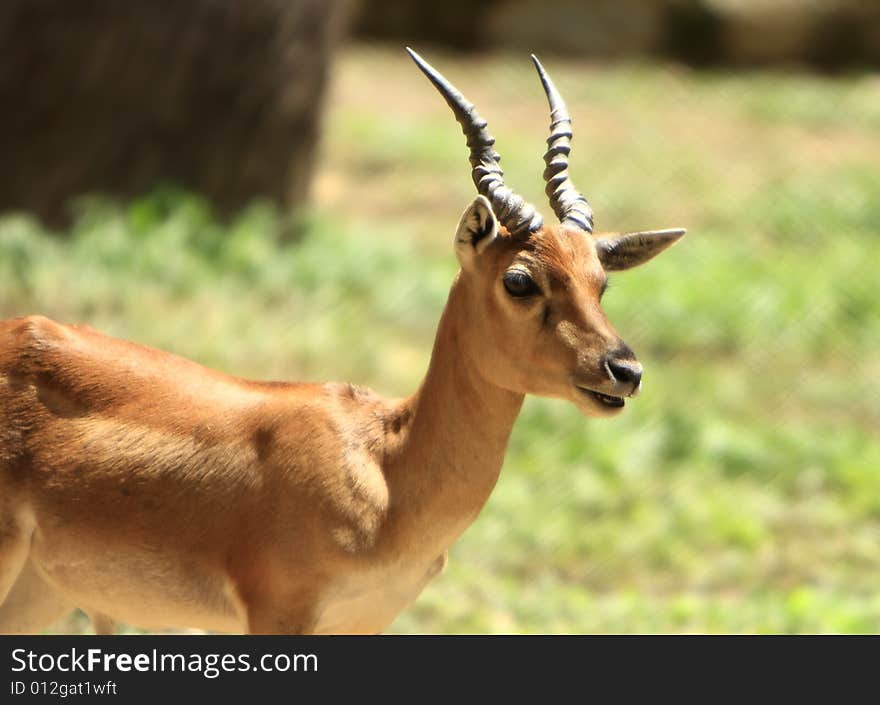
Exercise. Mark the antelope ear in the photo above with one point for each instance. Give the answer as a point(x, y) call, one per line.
point(617, 252)
point(476, 230)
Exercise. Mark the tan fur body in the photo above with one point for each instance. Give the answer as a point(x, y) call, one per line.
point(172, 495)
point(146, 489)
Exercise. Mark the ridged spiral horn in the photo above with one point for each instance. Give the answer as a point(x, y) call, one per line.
point(569, 204)
point(520, 218)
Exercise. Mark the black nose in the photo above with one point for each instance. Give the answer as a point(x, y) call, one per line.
point(626, 370)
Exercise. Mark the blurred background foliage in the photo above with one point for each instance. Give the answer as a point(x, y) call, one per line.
point(739, 493)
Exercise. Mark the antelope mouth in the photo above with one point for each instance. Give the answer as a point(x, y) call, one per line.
point(608, 400)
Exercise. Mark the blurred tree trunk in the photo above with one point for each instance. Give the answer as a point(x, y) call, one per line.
point(220, 96)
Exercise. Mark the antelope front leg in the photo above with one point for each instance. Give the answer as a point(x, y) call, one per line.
point(291, 617)
point(31, 605)
point(27, 604)
point(15, 540)
point(102, 624)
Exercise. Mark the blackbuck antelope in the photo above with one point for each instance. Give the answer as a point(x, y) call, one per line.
point(145, 488)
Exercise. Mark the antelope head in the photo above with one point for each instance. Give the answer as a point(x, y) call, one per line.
point(534, 291)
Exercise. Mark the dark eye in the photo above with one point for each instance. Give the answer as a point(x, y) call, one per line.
point(519, 284)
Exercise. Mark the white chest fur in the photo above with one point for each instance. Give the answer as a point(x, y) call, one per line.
point(367, 602)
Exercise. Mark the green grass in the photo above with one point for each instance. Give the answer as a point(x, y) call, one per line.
point(739, 493)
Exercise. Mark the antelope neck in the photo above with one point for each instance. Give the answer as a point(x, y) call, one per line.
point(449, 462)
